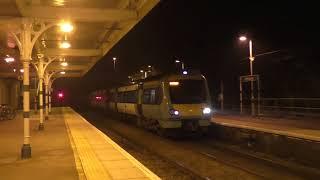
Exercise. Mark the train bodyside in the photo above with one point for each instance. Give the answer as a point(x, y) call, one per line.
point(170, 102)
point(127, 100)
point(98, 99)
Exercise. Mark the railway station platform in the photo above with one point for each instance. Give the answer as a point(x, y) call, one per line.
point(68, 148)
point(292, 139)
point(303, 128)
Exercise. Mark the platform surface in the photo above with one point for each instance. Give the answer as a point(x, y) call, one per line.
point(68, 148)
point(303, 128)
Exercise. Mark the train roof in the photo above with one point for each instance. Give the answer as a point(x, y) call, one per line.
point(187, 73)
point(158, 77)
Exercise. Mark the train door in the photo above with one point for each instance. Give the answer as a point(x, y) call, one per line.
point(121, 102)
point(139, 100)
point(151, 101)
point(130, 102)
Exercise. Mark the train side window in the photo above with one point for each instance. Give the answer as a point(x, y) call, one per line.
point(115, 97)
point(124, 97)
point(152, 96)
point(127, 97)
point(120, 97)
point(146, 96)
point(112, 95)
point(131, 97)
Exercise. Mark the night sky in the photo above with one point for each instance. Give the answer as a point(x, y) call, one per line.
point(204, 35)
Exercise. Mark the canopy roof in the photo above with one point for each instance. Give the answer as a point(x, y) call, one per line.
point(98, 26)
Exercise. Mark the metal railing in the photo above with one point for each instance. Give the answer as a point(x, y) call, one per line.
point(291, 106)
point(280, 107)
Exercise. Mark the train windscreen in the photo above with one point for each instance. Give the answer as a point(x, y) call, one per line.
point(187, 92)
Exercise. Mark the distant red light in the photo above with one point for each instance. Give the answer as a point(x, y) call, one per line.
point(98, 97)
point(60, 95)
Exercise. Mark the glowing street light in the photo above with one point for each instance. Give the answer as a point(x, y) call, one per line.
point(184, 72)
point(242, 38)
point(22, 70)
point(8, 59)
point(182, 64)
point(251, 58)
point(64, 64)
point(65, 45)
point(66, 27)
point(114, 60)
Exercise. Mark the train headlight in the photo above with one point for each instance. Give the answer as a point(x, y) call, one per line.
point(174, 112)
point(206, 110)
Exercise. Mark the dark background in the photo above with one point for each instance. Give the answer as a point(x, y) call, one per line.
point(204, 35)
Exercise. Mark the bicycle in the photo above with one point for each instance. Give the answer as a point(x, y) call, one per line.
point(6, 112)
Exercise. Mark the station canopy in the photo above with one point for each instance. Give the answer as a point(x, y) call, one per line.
point(97, 26)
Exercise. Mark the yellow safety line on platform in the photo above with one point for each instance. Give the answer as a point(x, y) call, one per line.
point(89, 156)
point(77, 160)
point(92, 166)
point(145, 170)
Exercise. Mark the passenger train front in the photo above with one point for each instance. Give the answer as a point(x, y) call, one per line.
point(165, 103)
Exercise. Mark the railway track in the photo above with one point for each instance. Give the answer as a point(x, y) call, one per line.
point(299, 170)
point(213, 156)
point(162, 166)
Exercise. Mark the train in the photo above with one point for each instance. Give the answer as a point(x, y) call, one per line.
point(166, 103)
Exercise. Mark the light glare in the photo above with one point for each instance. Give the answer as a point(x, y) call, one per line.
point(60, 95)
point(176, 112)
point(66, 27)
point(206, 110)
point(62, 72)
point(65, 45)
point(174, 83)
point(9, 59)
point(243, 38)
point(64, 64)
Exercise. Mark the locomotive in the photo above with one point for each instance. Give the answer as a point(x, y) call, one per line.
point(165, 103)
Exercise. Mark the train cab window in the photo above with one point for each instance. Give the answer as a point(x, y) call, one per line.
point(152, 96)
point(188, 92)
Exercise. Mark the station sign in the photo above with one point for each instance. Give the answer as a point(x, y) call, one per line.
point(20, 77)
point(249, 78)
